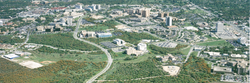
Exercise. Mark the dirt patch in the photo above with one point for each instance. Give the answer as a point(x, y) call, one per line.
point(47, 62)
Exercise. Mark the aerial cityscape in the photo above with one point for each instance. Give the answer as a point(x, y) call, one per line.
point(124, 41)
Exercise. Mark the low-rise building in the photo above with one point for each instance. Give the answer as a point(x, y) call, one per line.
point(40, 28)
point(217, 69)
point(85, 33)
point(11, 56)
point(213, 54)
point(119, 42)
point(197, 48)
point(103, 35)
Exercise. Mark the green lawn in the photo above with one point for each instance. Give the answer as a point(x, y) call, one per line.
point(215, 43)
point(95, 28)
point(185, 51)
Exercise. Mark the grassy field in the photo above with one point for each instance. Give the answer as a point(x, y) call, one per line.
point(41, 56)
point(215, 43)
point(95, 28)
point(185, 51)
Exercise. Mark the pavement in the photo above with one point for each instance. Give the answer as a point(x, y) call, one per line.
point(190, 51)
point(110, 60)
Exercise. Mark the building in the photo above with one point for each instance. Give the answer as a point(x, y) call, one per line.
point(161, 14)
point(40, 28)
point(98, 7)
point(172, 70)
point(69, 21)
point(132, 50)
point(217, 69)
point(93, 7)
point(198, 48)
point(78, 6)
point(242, 40)
point(6, 46)
point(191, 28)
point(219, 27)
point(238, 56)
point(119, 42)
point(146, 13)
point(166, 58)
point(169, 21)
point(22, 53)
point(11, 56)
point(166, 14)
point(1, 23)
point(142, 47)
point(241, 68)
point(103, 35)
point(76, 15)
point(213, 54)
point(85, 33)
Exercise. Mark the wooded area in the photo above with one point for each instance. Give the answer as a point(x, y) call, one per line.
point(7, 39)
point(62, 40)
point(162, 50)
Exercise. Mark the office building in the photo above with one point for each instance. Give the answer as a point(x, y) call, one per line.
point(69, 21)
point(119, 42)
point(142, 46)
point(161, 14)
point(93, 7)
point(219, 27)
point(78, 6)
point(1, 23)
point(169, 21)
point(98, 7)
point(146, 13)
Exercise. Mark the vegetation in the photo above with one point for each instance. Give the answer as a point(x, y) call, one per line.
point(95, 28)
point(215, 43)
point(10, 40)
point(228, 8)
point(135, 70)
point(61, 71)
point(61, 40)
point(5, 7)
point(130, 37)
point(161, 50)
point(49, 18)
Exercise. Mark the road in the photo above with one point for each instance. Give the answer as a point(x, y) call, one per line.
point(110, 60)
point(190, 51)
point(133, 79)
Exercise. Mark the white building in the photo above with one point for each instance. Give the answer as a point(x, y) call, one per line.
point(1, 23)
point(242, 40)
point(219, 27)
point(93, 7)
point(11, 56)
point(78, 6)
point(98, 7)
point(119, 42)
point(69, 21)
point(142, 46)
point(169, 21)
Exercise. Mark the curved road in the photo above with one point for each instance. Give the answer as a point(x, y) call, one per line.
point(110, 60)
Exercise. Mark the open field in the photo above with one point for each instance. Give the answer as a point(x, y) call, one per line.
point(215, 43)
point(54, 57)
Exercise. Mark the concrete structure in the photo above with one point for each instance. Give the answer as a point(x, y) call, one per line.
point(166, 14)
point(238, 56)
point(142, 46)
point(102, 35)
point(93, 7)
point(172, 70)
point(191, 28)
point(76, 15)
point(29, 19)
point(1, 23)
point(98, 7)
point(146, 13)
point(161, 14)
point(219, 27)
point(166, 58)
point(241, 68)
point(31, 64)
point(222, 69)
point(132, 50)
point(119, 42)
point(69, 20)
point(78, 6)
point(213, 54)
point(85, 33)
point(169, 21)
point(11, 56)
point(242, 40)
point(198, 48)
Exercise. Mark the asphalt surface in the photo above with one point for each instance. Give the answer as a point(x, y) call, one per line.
point(110, 60)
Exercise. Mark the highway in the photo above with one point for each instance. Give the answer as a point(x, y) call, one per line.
point(110, 60)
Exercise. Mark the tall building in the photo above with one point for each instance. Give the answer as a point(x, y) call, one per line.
point(69, 21)
point(142, 46)
point(161, 14)
point(169, 21)
point(98, 7)
point(146, 13)
point(219, 27)
point(1, 23)
point(78, 6)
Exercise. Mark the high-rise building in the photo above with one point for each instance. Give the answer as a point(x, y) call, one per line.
point(169, 21)
point(1, 23)
point(219, 27)
point(98, 7)
point(78, 6)
point(146, 13)
point(161, 14)
point(69, 21)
